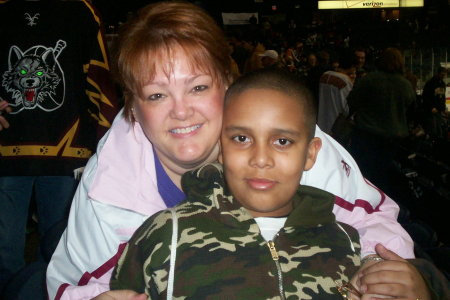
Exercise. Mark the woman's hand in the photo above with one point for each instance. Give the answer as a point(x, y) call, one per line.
point(120, 295)
point(392, 278)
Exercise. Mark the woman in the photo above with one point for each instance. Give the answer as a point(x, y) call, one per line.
point(173, 63)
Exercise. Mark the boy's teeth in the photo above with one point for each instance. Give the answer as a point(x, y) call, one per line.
point(185, 130)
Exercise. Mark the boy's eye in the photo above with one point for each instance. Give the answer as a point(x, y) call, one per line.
point(241, 139)
point(155, 97)
point(199, 88)
point(283, 142)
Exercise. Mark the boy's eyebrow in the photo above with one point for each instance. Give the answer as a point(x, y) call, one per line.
point(233, 128)
point(273, 130)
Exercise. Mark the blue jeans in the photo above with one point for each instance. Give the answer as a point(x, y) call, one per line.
point(53, 195)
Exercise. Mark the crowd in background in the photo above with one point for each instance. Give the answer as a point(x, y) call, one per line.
point(311, 49)
point(333, 59)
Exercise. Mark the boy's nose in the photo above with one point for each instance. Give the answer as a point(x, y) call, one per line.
point(261, 157)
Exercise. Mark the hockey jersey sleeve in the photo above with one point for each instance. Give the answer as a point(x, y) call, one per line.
point(99, 87)
point(358, 202)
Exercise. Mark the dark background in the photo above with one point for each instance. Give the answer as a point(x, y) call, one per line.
point(374, 27)
point(116, 11)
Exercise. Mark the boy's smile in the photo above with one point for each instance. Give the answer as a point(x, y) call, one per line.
point(265, 149)
point(261, 183)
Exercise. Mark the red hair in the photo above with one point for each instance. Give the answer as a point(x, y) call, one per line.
point(156, 33)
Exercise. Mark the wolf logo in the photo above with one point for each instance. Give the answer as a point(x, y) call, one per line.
point(34, 78)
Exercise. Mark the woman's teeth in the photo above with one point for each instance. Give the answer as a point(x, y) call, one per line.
point(185, 130)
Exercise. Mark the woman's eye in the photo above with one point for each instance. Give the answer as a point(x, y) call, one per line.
point(241, 139)
point(200, 88)
point(283, 142)
point(154, 97)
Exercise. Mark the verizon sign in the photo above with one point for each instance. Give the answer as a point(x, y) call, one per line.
point(351, 4)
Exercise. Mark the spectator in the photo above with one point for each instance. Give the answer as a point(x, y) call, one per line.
point(304, 70)
point(254, 61)
point(380, 102)
point(270, 59)
point(362, 65)
point(334, 88)
point(316, 71)
point(55, 77)
point(433, 97)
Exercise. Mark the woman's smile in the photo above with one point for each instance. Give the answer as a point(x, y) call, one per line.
point(185, 130)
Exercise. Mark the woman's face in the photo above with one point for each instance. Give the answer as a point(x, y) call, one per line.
point(181, 115)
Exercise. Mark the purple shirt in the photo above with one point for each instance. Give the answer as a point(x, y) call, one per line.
point(170, 193)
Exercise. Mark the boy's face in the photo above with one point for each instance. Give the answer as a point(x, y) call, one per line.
point(265, 150)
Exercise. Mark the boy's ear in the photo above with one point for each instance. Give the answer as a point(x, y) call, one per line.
point(313, 150)
point(220, 158)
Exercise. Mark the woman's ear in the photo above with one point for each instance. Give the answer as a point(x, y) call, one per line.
point(313, 150)
point(133, 114)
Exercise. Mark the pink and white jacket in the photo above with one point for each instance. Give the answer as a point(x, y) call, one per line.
point(118, 191)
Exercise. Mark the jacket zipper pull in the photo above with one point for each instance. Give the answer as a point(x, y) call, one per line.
point(273, 250)
point(275, 257)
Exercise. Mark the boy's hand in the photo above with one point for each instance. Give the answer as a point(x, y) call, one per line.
point(120, 295)
point(4, 108)
point(393, 277)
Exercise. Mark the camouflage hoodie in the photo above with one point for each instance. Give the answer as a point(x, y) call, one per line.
point(221, 253)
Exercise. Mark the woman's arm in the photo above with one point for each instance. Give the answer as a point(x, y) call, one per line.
point(96, 234)
point(394, 277)
point(358, 202)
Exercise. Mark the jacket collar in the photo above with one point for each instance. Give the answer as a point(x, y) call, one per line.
point(312, 206)
point(125, 176)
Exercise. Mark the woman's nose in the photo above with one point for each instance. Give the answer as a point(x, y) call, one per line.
point(182, 109)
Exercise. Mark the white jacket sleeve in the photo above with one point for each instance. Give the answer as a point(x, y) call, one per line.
point(358, 202)
point(90, 246)
point(117, 193)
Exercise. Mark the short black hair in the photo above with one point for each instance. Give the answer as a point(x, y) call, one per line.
point(282, 81)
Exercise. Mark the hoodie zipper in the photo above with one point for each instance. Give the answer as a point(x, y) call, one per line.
point(275, 257)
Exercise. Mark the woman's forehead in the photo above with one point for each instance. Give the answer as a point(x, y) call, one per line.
point(177, 63)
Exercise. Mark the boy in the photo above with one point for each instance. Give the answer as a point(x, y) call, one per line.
point(258, 235)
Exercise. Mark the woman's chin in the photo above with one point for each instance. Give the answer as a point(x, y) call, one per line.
point(192, 161)
point(196, 157)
